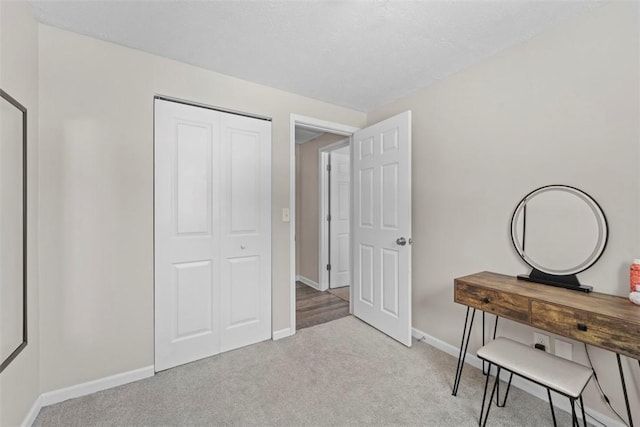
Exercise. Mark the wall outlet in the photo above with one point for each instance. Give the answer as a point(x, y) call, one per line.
point(542, 340)
point(563, 349)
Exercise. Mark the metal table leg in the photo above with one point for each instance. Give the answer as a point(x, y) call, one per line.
point(487, 371)
point(495, 329)
point(466, 334)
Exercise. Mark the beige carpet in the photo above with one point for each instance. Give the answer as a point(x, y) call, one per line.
point(342, 373)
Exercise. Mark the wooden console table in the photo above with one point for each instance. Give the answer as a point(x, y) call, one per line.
point(601, 320)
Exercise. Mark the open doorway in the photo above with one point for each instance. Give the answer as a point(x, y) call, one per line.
point(322, 221)
point(381, 225)
point(318, 125)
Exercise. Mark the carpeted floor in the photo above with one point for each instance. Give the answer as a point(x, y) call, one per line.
point(341, 373)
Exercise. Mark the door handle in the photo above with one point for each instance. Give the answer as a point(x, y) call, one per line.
point(401, 241)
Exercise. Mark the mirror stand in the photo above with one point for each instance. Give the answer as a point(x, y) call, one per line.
point(569, 281)
point(565, 231)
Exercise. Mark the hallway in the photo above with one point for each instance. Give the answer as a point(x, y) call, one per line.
point(315, 307)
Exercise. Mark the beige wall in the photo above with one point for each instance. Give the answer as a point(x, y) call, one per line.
point(19, 382)
point(308, 204)
point(97, 195)
point(561, 108)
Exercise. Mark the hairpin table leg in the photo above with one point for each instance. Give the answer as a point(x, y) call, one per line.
point(495, 329)
point(466, 334)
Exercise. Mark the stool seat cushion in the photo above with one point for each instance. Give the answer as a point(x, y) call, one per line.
point(562, 375)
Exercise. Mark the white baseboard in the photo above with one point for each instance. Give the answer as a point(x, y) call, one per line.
point(309, 282)
point(282, 333)
point(524, 385)
point(56, 396)
point(33, 413)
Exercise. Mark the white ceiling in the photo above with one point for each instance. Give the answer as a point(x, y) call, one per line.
point(358, 54)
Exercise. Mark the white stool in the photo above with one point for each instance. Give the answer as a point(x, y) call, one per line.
point(552, 372)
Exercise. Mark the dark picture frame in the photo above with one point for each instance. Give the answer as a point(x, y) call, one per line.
point(11, 293)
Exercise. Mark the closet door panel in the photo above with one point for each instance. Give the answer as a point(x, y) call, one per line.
point(246, 231)
point(187, 255)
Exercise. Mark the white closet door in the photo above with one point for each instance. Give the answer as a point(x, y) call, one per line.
point(245, 203)
point(195, 198)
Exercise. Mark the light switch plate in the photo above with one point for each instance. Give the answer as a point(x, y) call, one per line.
point(285, 214)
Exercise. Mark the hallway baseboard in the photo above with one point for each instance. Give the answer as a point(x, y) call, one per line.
point(309, 282)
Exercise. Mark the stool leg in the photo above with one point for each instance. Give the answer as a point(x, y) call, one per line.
point(584, 416)
point(504, 401)
point(574, 417)
point(484, 396)
point(493, 391)
point(553, 412)
point(624, 390)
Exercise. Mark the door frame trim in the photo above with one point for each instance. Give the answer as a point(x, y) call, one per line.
point(316, 124)
point(323, 230)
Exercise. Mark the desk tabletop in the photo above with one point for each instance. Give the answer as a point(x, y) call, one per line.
point(594, 302)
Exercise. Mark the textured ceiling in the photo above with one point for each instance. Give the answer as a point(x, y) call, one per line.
point(358, 54)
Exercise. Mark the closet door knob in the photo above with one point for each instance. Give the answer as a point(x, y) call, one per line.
point(243, 247)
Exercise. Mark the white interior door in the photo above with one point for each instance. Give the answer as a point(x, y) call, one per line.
point(340, 206)
point(382, 226)
point(212, 185)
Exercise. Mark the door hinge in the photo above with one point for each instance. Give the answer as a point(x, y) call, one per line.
point(329, 217)
point(328, 267)
point(329, 167)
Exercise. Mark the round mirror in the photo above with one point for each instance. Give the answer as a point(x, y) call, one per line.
point(559, 230)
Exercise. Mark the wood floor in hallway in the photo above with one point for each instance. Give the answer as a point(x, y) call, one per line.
point(314, 307)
